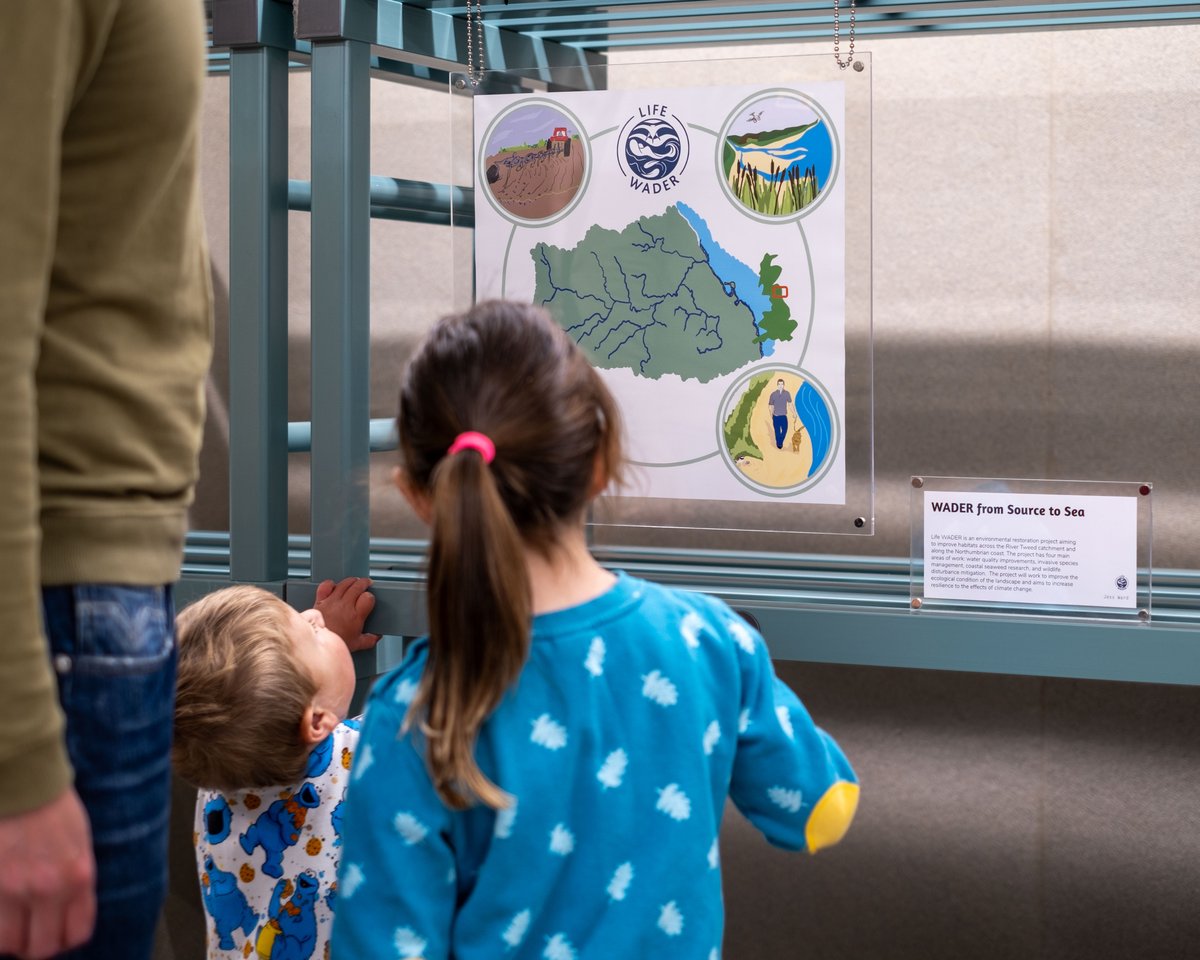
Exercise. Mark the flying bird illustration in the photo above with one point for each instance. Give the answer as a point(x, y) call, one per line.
point(756, 116)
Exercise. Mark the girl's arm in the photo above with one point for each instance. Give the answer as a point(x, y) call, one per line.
point(790, 778)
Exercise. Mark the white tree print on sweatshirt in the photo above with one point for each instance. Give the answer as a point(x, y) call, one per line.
point(562, 841)
point(658, 688)
point(408, 944)
point(742, 634)
point(714, 854)
point(406, 690)
point(789, 800)
point(690, 630)
point(670, 920)
point(412, 831)
point(559, 948)
point(352, 879)
point(505, 819)
point(674, 802)
point(594, 663)
point(517, 929)
point(618, 886)
point(785, 721)
point(362, 762)
point(712, 736)
point(549, 734)
point(612, 772)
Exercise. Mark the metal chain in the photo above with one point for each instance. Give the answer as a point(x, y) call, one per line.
point(474, 39)
point(836, 38)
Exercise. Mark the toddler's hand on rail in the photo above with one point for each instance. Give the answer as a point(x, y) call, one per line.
point(345, 605)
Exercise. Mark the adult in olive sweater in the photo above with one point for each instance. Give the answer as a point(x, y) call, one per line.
point(105, 330)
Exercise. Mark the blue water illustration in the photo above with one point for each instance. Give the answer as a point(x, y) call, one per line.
point(813, 413)
point(813, 149)
point(727, 268)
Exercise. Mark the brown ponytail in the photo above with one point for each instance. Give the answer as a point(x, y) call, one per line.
point(508, 371)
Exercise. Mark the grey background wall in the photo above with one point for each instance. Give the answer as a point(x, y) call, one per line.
point(1035, 314)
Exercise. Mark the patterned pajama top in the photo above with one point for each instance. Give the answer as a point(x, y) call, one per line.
point(268, 859)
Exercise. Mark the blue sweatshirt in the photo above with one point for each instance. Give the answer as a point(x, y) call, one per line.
point(634, 718)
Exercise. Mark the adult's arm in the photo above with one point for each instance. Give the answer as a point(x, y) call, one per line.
point(40, 50)
point(46, 870)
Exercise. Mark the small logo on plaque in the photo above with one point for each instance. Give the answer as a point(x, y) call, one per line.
point(1122, 583)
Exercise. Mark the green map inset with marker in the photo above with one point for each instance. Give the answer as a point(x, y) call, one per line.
point(662, 297)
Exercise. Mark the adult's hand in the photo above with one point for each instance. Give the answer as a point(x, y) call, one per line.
point(47, 879)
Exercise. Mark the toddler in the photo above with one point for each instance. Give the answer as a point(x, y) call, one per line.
point(261, 702)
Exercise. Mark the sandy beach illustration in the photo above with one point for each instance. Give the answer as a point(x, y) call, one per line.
point(774, 441)
point(778, 468)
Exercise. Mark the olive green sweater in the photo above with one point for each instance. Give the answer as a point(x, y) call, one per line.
point(105, 327)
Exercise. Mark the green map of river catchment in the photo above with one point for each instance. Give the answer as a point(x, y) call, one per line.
point(652, 299)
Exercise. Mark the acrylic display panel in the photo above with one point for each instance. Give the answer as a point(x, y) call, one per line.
point(703, 231)
point(1072, 548)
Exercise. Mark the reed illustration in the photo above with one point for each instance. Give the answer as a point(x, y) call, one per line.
point(773, 194)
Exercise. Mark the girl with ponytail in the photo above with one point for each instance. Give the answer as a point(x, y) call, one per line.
point(544, 774)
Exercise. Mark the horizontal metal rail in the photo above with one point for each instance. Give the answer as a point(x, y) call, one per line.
point(813, 607)
point(632, 23)
point(414, 201)
point(382, 435)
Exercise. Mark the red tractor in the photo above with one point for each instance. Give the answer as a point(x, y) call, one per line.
point(559, 136)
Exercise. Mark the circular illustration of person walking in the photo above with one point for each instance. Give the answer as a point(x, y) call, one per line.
point(778, 431)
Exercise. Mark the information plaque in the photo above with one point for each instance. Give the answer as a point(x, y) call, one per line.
point(1046, 546)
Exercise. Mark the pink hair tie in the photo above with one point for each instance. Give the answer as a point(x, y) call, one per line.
point(470, 440)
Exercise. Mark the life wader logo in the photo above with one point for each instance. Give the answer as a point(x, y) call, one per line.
point(652, 149)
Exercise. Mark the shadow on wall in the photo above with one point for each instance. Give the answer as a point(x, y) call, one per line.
point(1028, 409)
point(1002, 818)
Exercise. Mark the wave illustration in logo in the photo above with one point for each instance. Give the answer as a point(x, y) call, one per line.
point(653, 149)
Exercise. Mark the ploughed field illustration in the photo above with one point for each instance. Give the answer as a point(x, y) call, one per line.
point(534, 181)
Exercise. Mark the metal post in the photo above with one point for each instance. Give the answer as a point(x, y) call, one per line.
point(341, 198)
point(258, 113)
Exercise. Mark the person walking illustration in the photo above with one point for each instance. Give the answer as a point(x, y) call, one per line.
point(780, 402)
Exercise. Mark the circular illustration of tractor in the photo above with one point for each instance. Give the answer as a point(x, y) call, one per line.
point(534, 162)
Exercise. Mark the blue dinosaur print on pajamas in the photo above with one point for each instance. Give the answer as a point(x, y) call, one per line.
point(335, 819)
point(217, 819)
point(278, 828)
point(293, 924)
point(318, 760)
point(225, 903)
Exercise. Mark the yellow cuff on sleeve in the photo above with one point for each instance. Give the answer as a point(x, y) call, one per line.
point(831, 816)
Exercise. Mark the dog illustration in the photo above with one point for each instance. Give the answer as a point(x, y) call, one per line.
point(796, 438)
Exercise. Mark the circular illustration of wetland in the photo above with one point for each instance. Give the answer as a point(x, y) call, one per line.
point(778, 431)
point(533, 162)
point(777, 155)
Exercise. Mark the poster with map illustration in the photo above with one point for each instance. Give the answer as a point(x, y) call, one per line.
point(692, 242)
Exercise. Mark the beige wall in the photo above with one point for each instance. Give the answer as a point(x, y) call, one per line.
point(1035, 286)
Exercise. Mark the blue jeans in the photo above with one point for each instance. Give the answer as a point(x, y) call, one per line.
point(113, 650)
point(781, 429)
